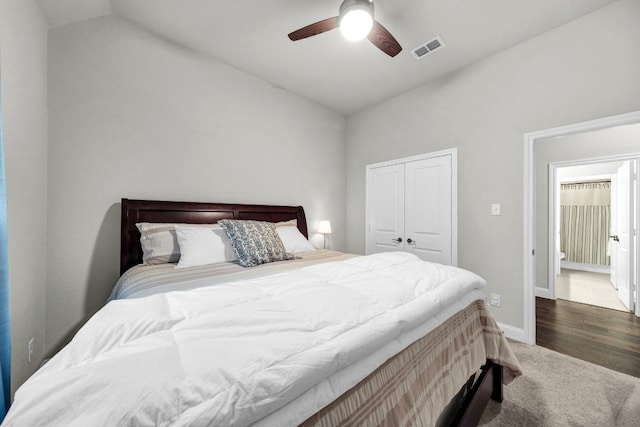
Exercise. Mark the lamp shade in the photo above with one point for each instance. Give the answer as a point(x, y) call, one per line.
point(324, 227)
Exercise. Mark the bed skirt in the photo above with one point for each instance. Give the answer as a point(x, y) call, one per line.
point(413, 387)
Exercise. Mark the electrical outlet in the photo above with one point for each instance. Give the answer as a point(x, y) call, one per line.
point(495, 300)
point(30, 348)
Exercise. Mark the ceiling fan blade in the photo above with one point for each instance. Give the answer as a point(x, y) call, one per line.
point(383, 40)
point(315, 29)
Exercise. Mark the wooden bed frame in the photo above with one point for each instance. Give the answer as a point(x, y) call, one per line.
point(464, 410)
point(134, 211)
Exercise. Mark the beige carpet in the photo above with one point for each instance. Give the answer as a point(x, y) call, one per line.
point(558, 390)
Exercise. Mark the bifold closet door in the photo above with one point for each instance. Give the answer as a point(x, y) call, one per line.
point(428, 209)
point(409, 208)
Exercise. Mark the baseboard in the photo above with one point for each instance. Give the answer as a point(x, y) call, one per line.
point(543, 293)
point(511, 332)
point(605, 269)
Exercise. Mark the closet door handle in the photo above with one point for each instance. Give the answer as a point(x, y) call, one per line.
point(411, 241)
point(398, 240)
point(615, 238)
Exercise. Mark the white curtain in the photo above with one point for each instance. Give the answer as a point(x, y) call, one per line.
point(585, 220)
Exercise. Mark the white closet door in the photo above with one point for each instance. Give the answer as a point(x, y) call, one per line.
point(385, 213)
point(428, 209)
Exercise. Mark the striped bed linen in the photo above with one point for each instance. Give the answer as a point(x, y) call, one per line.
point(413, 387)
point(144, 280)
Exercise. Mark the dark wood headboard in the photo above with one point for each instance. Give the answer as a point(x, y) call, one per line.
point(134, 211)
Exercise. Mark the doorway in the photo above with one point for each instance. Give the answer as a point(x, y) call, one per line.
point(537, 245)
point(588, 205)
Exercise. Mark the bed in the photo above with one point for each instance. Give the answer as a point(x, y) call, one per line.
point(321, 339)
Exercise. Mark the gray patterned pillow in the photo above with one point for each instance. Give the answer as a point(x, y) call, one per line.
point(254, 242)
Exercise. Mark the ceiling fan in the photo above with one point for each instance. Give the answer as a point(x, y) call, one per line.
point(355, 19)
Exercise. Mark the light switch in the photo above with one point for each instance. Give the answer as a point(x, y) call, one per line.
point(495, 209)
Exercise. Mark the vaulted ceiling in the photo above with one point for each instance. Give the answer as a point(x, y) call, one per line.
point(347, 77)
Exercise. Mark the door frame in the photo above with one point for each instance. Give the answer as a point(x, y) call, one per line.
point(453, 152)
point(529, 205)
point(553, 205)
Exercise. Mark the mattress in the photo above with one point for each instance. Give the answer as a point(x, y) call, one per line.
point(270, 348)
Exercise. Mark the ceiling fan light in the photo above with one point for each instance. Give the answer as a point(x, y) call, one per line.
point(356, 24)
point(356, 19)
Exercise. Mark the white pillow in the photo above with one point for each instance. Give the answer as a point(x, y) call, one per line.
point(293, 240)
point(203, 246)
point(289, 223)
point(159, 242)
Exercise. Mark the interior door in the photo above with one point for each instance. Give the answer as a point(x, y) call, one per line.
point(428, 200)
point(622, 235)
point(613, 245)
point(385, 210)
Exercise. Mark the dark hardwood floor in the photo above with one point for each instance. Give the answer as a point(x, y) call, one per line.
point(598, 335)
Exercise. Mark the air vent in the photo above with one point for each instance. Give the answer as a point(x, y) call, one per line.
point(428, 47)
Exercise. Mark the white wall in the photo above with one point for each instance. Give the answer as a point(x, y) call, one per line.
point(131, 115)
point(619, 140)
point(23, 79)
point(583, 70)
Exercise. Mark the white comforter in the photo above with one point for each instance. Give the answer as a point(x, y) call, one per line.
point(231, 354)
